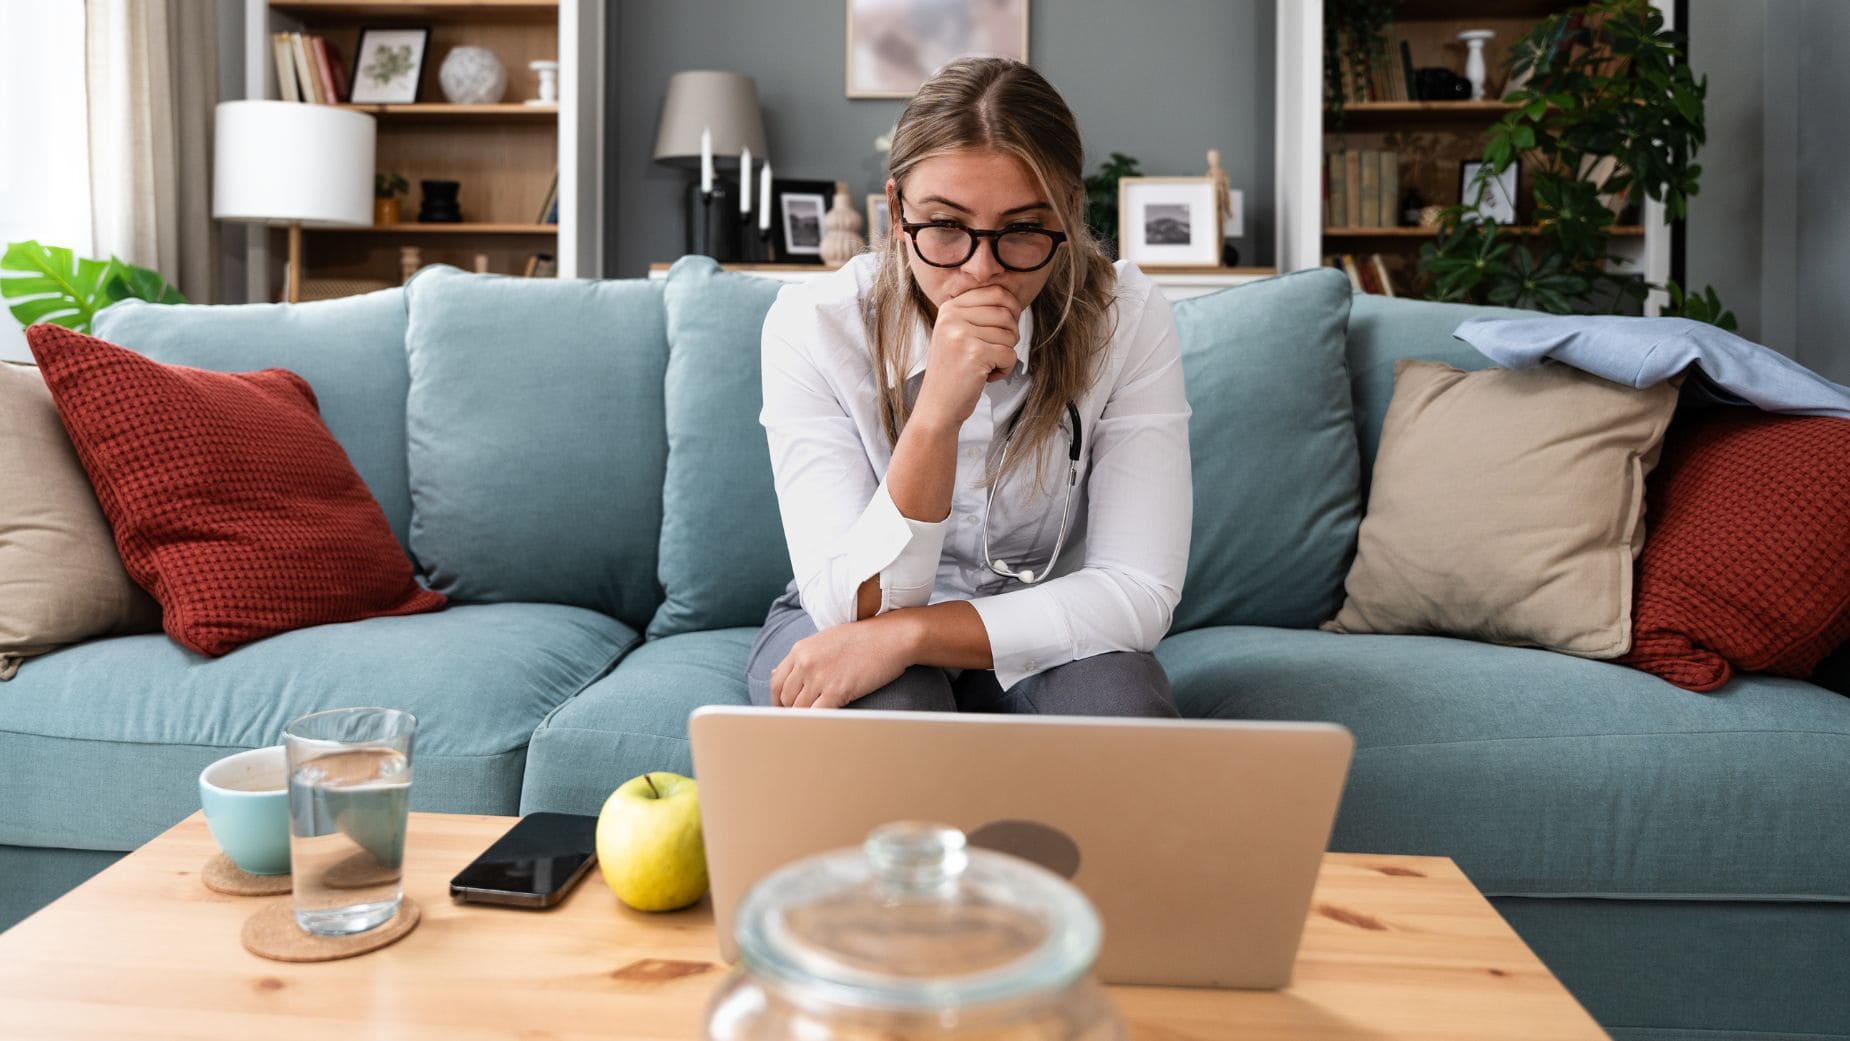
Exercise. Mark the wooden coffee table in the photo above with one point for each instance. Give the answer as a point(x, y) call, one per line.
point(1396, 947)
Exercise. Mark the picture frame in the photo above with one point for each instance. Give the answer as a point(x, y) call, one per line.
point(796, 217)
point(894, 46)
point(388, 66)
point(879, 218)
point(1500, 193)
point(1169, 221)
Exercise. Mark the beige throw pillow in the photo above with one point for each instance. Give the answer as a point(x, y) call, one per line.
point(1507, 506)
point(61, 579)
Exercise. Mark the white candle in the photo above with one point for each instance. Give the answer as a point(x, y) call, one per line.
point(764, 197)
point(706, 160)
point(745, 180)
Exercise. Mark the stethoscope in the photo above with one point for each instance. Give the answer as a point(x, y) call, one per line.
point(1029, 576)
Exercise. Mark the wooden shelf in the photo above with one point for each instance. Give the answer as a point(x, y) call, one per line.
point(511, 112)
point(419, 10)
point(1427, 233)
point(416, 228)
point(1372, 113)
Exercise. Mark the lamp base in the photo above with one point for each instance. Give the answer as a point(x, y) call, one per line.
point(712, 229)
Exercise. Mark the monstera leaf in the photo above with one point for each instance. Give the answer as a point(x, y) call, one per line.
point(53, 284)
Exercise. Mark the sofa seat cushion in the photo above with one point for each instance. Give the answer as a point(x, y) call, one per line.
point(1548, 775)
point(633, 720)
point(101, 744)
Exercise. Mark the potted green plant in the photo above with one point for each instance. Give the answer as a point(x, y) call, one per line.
point(1102, 199)
point(387, 187)
point(1608, 112)
point(52, 284)
point(1354, 44)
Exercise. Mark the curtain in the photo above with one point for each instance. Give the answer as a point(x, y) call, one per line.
point(152, 75)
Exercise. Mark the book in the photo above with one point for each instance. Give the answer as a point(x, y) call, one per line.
point(1369, 213)
point(1352, 188)
point(285, 67)
point(1339, 209)
point(1390, 189)
point(305, 69)
point(341, 86)
point(1406, 71)
point(324, 69)
point(1354, 273)
point(1379, 266)
point(549, 207)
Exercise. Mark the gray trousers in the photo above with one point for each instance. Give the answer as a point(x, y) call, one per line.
point(1121, 683)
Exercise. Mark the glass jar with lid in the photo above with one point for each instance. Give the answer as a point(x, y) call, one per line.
point(914, 936)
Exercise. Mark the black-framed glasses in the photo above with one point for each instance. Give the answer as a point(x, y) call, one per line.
point(946, 243)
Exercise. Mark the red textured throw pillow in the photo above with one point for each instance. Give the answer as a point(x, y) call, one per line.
point(1747, 565)
point(230, 500)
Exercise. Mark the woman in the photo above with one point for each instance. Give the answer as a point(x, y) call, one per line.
point(948, 414)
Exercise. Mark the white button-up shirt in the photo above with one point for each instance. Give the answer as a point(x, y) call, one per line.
point(1120, 574)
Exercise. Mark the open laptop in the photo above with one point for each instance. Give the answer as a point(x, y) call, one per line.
point(1198, 841)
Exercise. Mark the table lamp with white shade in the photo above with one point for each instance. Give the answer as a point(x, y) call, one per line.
point(288, 164)
point(710, 122)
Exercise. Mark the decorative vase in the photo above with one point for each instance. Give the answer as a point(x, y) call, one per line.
point(1474, 59)
point(386, 210)
point(440, 205)
point(548, 72)
point(841, 234)
point(472, 76)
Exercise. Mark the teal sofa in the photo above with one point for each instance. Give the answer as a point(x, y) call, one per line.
point(579, 466)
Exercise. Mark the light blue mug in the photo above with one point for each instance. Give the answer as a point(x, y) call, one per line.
point(246, 800)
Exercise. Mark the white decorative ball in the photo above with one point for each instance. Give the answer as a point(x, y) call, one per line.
point(472, 76)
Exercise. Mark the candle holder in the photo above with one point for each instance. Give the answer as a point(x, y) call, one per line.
point(710, 229)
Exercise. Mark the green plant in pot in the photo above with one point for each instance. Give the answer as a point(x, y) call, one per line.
point(1102, 199)
point(1608, 110)
point(52, 284)
point(387, 187)
point(1354, 44)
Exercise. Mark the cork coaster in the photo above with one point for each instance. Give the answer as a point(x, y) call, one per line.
point(222, 875)
point(273, 933)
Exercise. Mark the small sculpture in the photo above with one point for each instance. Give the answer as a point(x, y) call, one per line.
point(410, 258)
point(548, 72)
point(472, 76)
point(841, 236)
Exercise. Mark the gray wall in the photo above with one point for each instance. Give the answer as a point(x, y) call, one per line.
point(1770, 229)
point(1162, 81)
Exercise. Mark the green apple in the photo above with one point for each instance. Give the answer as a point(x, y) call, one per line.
point(649, 844)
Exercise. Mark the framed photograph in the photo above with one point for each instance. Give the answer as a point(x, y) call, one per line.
point(388, 66)
point(879, 220)
point(796, 213)
point(1498, 201)
point(896, 45)
point(1169, 221)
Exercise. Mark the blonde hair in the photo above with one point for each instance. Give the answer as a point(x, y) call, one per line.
point(999, 105)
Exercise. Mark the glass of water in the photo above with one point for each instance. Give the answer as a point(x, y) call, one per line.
point(349, 796)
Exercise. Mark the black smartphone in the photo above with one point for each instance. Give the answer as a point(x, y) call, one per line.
point(539, 859)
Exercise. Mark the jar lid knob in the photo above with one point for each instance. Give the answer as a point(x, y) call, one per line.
point(917, 858)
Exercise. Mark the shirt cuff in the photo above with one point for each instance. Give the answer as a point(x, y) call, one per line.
point(1025, 637)
point(902, 551)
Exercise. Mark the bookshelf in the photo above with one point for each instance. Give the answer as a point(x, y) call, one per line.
point(504, 155)
point(1431, 138)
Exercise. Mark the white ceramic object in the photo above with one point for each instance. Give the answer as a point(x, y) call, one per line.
point(548, 72)
point(472, 76)
point(1474, 59)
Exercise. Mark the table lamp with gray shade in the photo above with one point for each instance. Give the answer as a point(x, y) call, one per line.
point(287, 164)
point(726, 105)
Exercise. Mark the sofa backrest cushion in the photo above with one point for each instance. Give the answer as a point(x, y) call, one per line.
point(1384, 330)
point(1272, 442)
point(723, 558)
point(351, 351)
point(534, 428)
